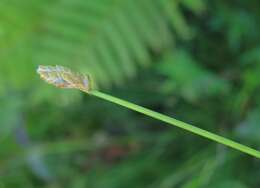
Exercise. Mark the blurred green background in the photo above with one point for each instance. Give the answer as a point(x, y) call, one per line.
point(195, 60)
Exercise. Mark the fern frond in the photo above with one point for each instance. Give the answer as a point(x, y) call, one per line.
point(118, 35)
point(109, 40)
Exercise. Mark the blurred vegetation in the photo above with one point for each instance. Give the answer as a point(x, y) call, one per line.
point(195, 60)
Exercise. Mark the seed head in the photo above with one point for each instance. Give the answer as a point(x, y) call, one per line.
point(63, 77)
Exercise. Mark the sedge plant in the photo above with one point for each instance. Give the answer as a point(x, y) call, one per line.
point(63, 77)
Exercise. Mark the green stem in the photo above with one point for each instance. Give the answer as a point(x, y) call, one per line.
point(177, 123)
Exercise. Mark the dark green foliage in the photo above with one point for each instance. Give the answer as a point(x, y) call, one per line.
point(198, 61)
point(188, 79)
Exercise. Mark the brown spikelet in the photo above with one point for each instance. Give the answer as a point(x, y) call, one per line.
point(63, 77)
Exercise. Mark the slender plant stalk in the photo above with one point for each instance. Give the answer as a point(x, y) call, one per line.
point(63, 77)
point(177, 123)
